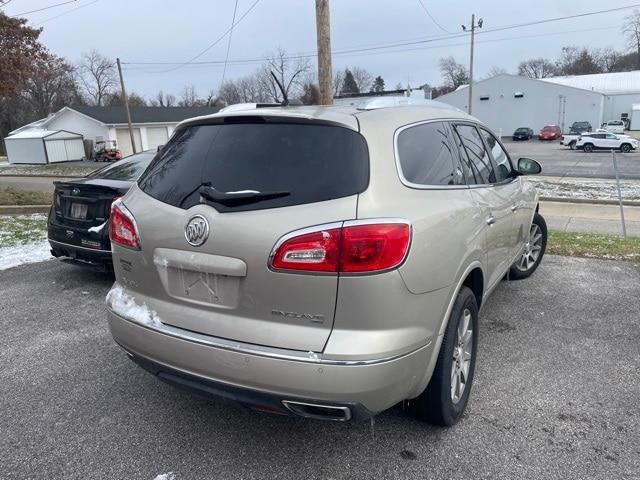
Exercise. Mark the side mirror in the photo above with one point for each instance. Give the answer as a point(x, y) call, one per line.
point(526, 166)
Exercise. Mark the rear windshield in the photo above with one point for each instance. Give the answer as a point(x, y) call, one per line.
point(128, 169)
point(549, 129)
point(308, 163)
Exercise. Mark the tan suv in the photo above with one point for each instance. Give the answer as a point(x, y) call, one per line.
point(320, 261)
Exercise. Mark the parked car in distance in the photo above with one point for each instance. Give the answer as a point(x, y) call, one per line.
point(580, 127)
point(78, 220)
point(606, 141)
point(523, 133)
point(550, 132)
point(614, 126)
point(284, 257)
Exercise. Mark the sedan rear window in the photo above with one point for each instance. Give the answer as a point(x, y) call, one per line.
point(265, 165)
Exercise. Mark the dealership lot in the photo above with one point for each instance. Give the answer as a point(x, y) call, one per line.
point(558, 160)
point(555, 395)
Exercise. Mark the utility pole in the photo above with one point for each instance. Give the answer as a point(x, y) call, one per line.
point(323, 34)
point(126, 106)
point(473, 31)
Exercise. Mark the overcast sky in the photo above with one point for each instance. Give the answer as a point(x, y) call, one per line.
point(175, 31)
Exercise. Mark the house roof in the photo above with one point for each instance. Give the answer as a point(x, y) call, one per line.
point(118, 115)
point(607, 83)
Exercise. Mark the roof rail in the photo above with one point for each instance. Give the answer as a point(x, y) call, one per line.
point(385, 102)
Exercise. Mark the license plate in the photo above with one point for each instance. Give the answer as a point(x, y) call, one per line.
point(79, 210)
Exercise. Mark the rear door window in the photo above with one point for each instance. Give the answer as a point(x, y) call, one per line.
point(475, 155)
point(426, 155)
point(308, 162)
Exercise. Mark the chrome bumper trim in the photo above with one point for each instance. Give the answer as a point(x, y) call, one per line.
point(250, 349)
point(68, 245)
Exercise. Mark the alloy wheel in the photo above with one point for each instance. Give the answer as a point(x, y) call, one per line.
point(462, 352)
point(532, 249)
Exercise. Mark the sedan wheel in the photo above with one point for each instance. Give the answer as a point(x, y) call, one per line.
point(625, 148)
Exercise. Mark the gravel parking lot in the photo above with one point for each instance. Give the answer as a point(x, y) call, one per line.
point(556, 394)
point(561, 161)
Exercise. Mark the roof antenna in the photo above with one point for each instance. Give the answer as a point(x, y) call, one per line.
point(285, 101)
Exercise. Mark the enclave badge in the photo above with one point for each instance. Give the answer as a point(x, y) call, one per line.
point(196, 231)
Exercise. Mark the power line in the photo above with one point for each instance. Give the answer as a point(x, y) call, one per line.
point(405, 50)
point(43, 8)
point(433, 19)
point(210, 46)
point(383, 46)
point(65, 12)
point(226, 58)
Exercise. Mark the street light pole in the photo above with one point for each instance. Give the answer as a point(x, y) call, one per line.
point(473, 31)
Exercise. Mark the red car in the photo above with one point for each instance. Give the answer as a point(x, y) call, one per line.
point(550, 132)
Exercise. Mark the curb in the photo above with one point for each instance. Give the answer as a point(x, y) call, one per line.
point(628, 203)
point(20, 209)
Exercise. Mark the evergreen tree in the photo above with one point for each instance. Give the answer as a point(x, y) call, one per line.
point(378, 85)
point(349, 84)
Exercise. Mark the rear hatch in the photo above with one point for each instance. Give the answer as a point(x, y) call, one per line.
point(305, 174)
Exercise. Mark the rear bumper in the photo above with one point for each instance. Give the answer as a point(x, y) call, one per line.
point(82, 254)
point(265, 381)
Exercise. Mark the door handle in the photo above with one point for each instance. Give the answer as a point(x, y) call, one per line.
point(514, 208)
point(491, 220)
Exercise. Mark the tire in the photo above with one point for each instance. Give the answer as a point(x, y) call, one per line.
point(534, 250)
point(436, 404)
point(625, 148)
point(588, 147)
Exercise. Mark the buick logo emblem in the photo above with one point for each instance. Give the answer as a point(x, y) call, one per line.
point(75, 191)
point(197, 230)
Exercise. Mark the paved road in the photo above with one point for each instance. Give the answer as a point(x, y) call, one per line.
point(556, 395)
point(590, 218)
point(561, 161)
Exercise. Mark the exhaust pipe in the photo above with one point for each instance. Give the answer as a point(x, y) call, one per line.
point(318, 412)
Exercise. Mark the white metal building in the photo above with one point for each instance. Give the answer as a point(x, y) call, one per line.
point(152, 126)
point(44, 146)
point(506, 102)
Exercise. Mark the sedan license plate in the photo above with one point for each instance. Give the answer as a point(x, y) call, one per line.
point(79, 210)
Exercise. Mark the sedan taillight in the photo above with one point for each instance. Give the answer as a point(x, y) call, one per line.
point(122, 226)
point(366, 246)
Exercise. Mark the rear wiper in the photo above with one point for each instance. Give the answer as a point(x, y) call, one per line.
point(240, 197)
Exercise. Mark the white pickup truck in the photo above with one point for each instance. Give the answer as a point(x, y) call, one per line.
point(606, 141)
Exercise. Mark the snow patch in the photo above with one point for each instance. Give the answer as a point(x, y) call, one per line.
point(166, 476)
point(124, 305)
point(97, 229)
point(21, 254)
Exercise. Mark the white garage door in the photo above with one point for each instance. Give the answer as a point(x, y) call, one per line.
point(124, 141)
point(64, 150)
point(156, 136)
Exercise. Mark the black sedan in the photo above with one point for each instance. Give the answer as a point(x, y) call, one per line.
point(78, 227)
point(523, 133)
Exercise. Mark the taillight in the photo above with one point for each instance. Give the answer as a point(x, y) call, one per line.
point(362, 246)
point(122, 226)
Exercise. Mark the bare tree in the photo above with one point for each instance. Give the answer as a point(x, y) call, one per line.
point(163, 100)
point(631, 31)
point(51, 86)
point(97, 76)
point(537, 68)
point(189, 97)
point(453, 73)
point(363, 78)
point(494, 71)
point(578, 61)
point(289, 72)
